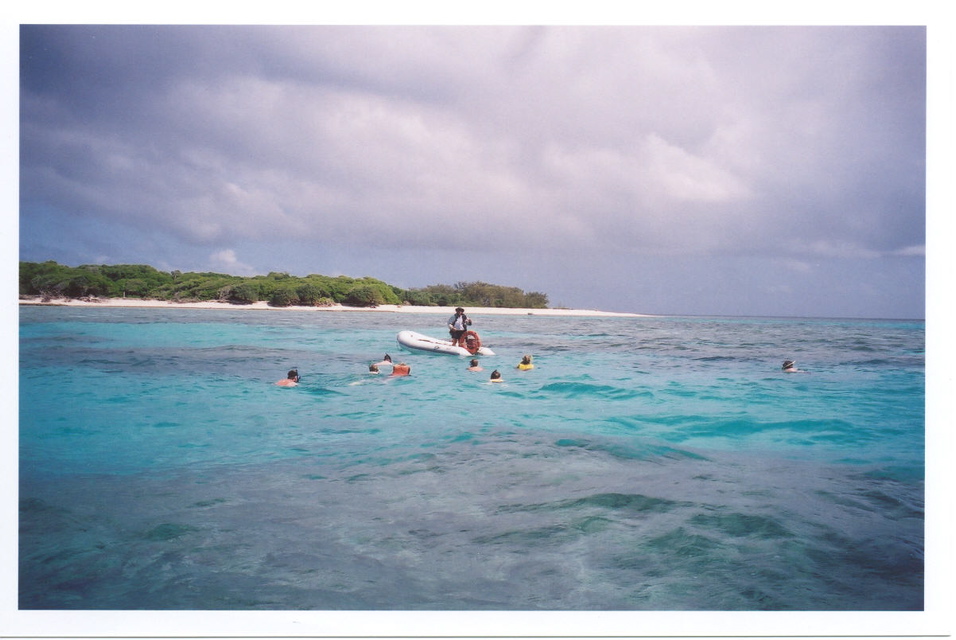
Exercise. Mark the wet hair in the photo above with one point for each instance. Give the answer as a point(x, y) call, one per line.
point(474, 362)
point(526, 359)
point(787, 364)
point(495, 374)
point(293, 374)
point(373, 367)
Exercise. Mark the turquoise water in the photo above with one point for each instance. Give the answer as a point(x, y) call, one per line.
point(644, 464)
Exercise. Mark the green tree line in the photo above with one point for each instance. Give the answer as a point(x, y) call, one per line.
point(52, 280)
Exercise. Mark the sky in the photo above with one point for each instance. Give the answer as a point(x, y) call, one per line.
point(708, 170)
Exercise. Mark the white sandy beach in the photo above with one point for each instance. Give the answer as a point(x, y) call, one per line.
point(263, 306)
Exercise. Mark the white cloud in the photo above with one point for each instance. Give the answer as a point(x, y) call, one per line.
point(838, 249)
point(798, 266)
point(226, 260)
point(912, 251)
point(684, 176)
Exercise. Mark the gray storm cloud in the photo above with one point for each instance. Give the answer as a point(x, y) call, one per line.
point(795, 145)
point(703, 139)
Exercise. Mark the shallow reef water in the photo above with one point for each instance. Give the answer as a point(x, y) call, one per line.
point(644, 464)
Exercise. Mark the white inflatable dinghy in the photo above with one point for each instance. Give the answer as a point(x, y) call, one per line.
point(418, 342)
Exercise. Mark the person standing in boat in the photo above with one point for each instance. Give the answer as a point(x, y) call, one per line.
point(458, 324)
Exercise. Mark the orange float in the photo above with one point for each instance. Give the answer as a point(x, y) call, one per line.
point(470, 341)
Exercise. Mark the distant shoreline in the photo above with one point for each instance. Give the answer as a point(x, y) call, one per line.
point(136, 303)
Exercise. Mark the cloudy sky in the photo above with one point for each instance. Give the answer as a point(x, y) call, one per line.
point(673, 170)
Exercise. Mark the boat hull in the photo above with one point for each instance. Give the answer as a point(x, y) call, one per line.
point(414, 341)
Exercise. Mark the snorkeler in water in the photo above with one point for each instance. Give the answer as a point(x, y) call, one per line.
point(789, 366)
point(291, 379)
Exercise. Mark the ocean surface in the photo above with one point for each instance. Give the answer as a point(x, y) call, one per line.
point(644, 464)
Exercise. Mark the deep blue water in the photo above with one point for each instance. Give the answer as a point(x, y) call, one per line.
point(644, 464)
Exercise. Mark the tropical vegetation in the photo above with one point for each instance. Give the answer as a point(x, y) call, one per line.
point(52, 280)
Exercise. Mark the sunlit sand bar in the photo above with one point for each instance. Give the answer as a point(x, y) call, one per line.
point(263, 306)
